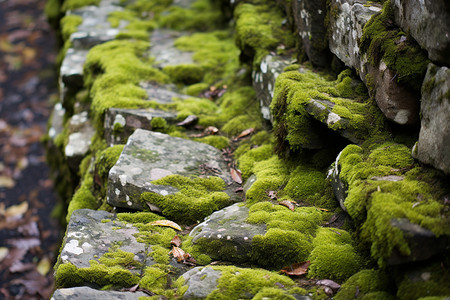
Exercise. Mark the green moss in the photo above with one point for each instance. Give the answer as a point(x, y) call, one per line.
point(240, 123)
point(118, 257)
point(160, 254)
point(83, 197)
point(399, 51)
point(138, 217)
point(196, 89)
point(159, 124)
point(363, 283)
point(68, 275)
point(106, 159)
point(74, 4)
point(202, 108)
point(272, 293)
point(196, 251)
point(69, 25)
point(154, 279)
point(196, 199)
point(238, 283)
point(220, 142)
point(185, 73)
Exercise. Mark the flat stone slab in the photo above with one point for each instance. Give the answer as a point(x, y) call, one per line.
point(121, 123)
point(228, 230)
point(149, 156)
point(164, 50)
point(87, 293)
point(90, 234)
point(201, 282)
point(163, 94)
point(80, 135)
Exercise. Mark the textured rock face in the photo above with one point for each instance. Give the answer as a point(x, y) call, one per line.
point(264, 81)
point(161, 93)
point(428, 23)
point(433, 146)
point(201, 282)
point(164, 51)
point(227, 229)
point(86, 293)
point(149, 156)
point(80, 135)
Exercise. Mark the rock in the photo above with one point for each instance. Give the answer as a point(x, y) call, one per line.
point(163, 94)
point(422, 242)
point(201, 282)
point(225, 235)
point(264, 80)
point(80, 135)
point(90, 234)
point(87, 293)
point(57, 120)
point(120, 123)
point(339, 187)
point(164, 50)
point(433, 146)
point(309, 19)
point(149, 156)
point(428, 23)
point(71, 72)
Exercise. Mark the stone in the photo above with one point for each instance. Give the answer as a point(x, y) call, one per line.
point(120, 123)
point(309, 17)
point(57, 121)
point(71, 72)
point(339, 187)
point(229, 232)
point(87, 293)
point(422, 242)
point(149, 156)
point(201, 282)
point(163, 94)
point(264, 80)
point(90, 234)
point(433, 146)
point(347, 19)
point(164, 50)
point(80, 135)
point(428, 22)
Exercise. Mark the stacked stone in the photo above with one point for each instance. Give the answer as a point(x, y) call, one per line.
point(124, 254)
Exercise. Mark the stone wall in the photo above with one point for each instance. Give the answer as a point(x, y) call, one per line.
point(214, 143)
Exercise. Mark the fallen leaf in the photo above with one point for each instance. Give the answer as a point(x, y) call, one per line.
point(153, 207)
point(16, 210)
point(179, 254)
point(166, 223)
point(272, 195)
point(322, 209)
point(176, 241)
point(134, 288)
point(211, 130)
point(296, 269)
point(44, 266)
point(236, 175)
point(329, 283)
point(189, 121)
point(288, 204)
point(3, 253)
point(245, 133)
point(7, 182)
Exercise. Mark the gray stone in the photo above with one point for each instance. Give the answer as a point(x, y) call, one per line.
point(428, 22)
point(422, 242)
point(71, 72)
point(163, 94)
point(339, 188)
point(149, 156)
point(87, 293)
point(90, 234)
point(80, 135)
point(164, 50)
point(264, 80)
point(201, 282)
point(229, 232)
point(57, 120)
point(121, 123)
point(433, 146)
point(309, 16)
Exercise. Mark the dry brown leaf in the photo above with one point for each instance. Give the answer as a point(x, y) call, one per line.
point(176, 241)
point(189, 121)
point(236, 175)
point(179, 254)
point(211, 130)
point(288, 204)
point(272, 195)
point(134, 288)
point(3, 253)
point(296, 269)
point(245, 133)
point(44, 266)
point(166, 223)
point(16, 210)
point(153, 207)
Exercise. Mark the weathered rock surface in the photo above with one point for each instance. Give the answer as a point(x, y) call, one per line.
point(163, 94)
point(71, 72)
point(264, 80)
point(149, 156)
point(80, 135)
point(225, 235)
point(433, 146)
point(120, 123)
point(428, 23)
point(57, 121)
point(87, 293)
point(201, 282)
point(164, 50)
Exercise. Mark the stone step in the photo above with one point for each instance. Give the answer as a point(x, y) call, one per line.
point(163, 48)
point(150, 156)
point(87, 293)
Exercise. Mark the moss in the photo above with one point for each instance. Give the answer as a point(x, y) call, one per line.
point(138, 217)
point(74, 4)
point(202, 108)
point(196, 251)
point(69, 25)
point(272, 293)
point(83, 197)
point(196, 199)
point(52, 11)
point(240, 123)
point(160, 254)
point(384, 42)
point(363, 284)
point(196, 89)
point(106, 159)
point(238, 283)
point(185, 73)
point(154, 279)
point(217, 141)
point(159, 124)
point(118, 257)
point(68, 275)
